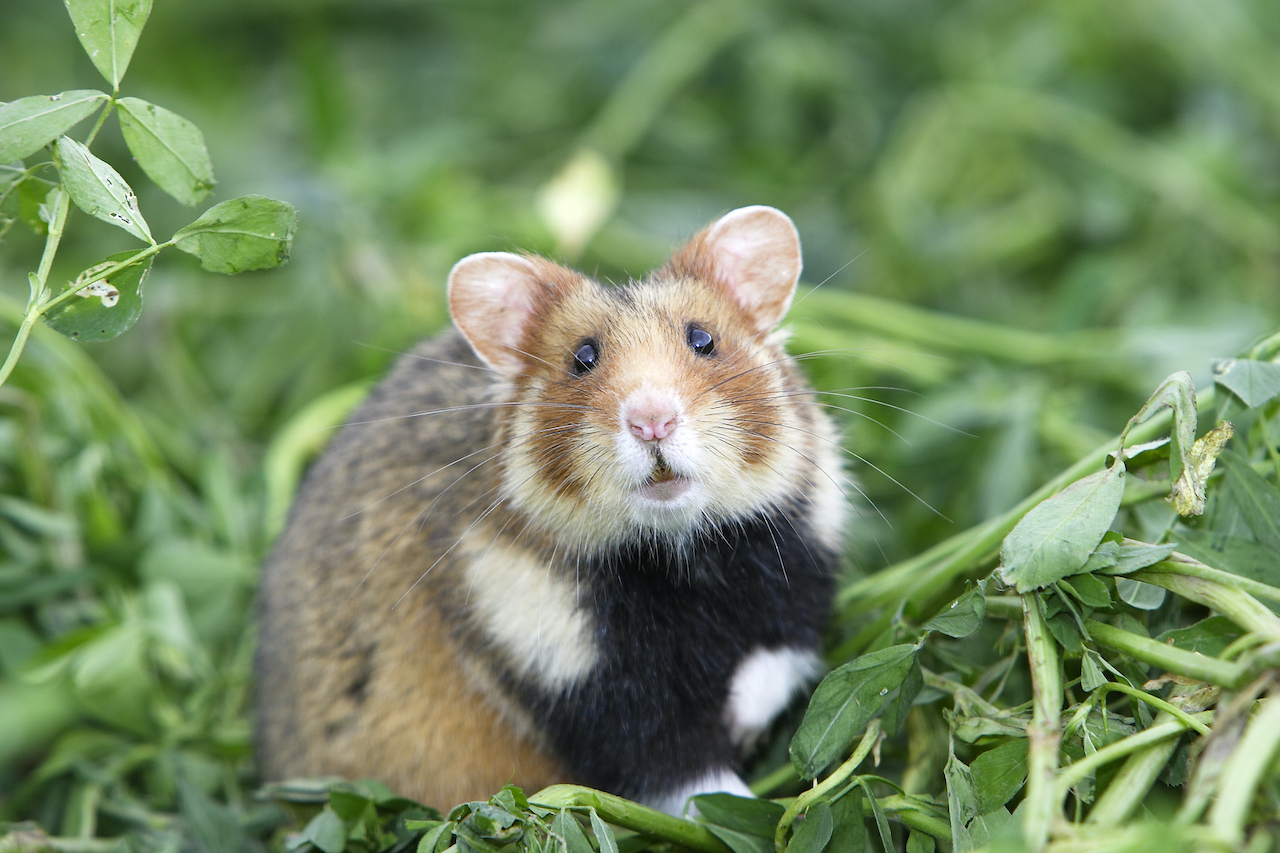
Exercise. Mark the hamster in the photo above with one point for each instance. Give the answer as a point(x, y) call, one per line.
point(589, 536)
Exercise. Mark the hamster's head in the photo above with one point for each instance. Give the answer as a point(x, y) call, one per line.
point(655, 408)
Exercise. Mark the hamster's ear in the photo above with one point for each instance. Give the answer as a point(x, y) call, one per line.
point(493, 297)
point(755, 252)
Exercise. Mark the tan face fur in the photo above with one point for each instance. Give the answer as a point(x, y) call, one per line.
point(656, 439)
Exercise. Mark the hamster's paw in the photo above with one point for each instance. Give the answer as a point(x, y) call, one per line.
point(676, 802)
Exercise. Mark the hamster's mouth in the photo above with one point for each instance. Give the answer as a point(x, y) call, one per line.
point(664, 485)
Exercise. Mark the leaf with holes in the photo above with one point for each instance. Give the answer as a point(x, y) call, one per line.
point(247, 233)
point(107, 308)
point(169, 149)
point(29, 124)
point(108, 31)
point(99, 191)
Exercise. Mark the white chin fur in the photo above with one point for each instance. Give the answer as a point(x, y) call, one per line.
point(722, 781)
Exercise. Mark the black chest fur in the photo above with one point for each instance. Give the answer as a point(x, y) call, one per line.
point(672, 626)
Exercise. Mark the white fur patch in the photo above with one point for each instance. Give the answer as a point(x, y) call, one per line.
point(765, 682)
point(719, 781)
point(530, 612)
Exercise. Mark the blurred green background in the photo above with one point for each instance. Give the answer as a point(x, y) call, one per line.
point(1023, 215)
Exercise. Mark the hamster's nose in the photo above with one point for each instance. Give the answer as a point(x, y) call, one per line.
point(652, 416)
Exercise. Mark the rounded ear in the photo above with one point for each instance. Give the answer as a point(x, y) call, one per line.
point(755, 251)
point(492, 297)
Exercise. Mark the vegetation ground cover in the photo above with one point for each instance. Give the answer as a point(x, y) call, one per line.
point(1023, 219)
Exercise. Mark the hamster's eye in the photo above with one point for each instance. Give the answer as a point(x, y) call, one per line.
point(586, 356)
point(701, 341)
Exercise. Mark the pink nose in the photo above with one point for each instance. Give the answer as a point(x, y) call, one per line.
point(652, 423)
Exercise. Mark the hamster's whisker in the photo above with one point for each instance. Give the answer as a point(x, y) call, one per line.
point(416, 357)
point(497, 444)
point(814, 289)
point(423, 514)
point(449, 410)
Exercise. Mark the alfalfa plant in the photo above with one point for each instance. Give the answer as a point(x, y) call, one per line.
point(47, 172)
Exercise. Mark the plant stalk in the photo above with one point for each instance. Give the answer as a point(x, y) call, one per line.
point(642, 819)
point(835, 780)
point(1133, 781)
point(1073, 773)
point(1044, 732)
point(1169, 658)
point(1229, 600)
point(1243, 773)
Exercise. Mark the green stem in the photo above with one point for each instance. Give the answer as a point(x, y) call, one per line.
point(102, 118)
point(960, 334)
point(642, 819)
point(1181, 564)
point(1044, 732)
point(1129, 787)
point(61, 206)
point(1156, 702)
point(1243, 773)
point(1188, 580)
point(820, 790)
point(774, 780)
point(1170, 658)
point(1073, 773)
point(106, 273)
point(910, 813)
point(36, 306)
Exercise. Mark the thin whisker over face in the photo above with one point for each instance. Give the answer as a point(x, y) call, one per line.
point(590, 535)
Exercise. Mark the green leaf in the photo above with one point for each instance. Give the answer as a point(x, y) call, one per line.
point(169, 149)
point(844, 703)
point(1209, 637)
point(999, 773)
point(920, 842)
point(881, 820)
point(1143, 596)
point(603, 834)
point(33, 206)
point(29, 124)
point(1254, 382)
point(899, 702)
point(849, 833)
point(1133, 556)
point(1258, 500)
point(108, 31)
point(1066, 631)
point(1091, 675)
point(1088, 590)
point(963, 616)
point(436, 839)
point(247, 233)
point(814, 831)
point(744, 814)
point(1234, 554)
point(99, 191)
point(326, 831)
point(1056, 537)
point(348, 805)
point(566, 827)
point(741, 842)
point(103, 310)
